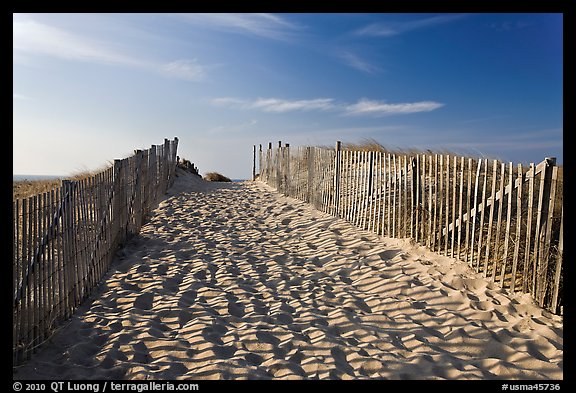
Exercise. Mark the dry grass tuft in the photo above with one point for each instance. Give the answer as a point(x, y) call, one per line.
point(215, 176)
point(370, 144)
point(27, 188)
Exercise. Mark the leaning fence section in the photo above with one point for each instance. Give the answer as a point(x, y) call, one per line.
point(504, 220)
point(65, 239)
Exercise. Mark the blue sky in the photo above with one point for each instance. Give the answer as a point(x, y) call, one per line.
point(89, 88)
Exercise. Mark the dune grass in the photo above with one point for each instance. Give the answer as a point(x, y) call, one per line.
point(217, 177)
point(27, 188)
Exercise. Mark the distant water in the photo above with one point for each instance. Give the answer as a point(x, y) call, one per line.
point(35, 177)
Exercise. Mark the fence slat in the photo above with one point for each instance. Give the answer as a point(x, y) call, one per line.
point(558, 269)
point(460, 200)
point(38, 271)
point(427, 213)
point(363, 187)
point(446, 192)
point(433, 199)
point(394, 182)
point(482, 215)
point(545, 246)
point(26, 276)
point(518, 230)
point(16, 258)
point(541, 212)
point(491, 218)
point(508, 225)
point(418, 203)
point(468, 210)
point(527, 255)
point(379, 192)
point(454, 194)
point(475, 204)
point(407, 232)
point(499, 221)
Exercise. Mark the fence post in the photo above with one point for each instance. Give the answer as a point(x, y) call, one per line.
point(153, 174)
point(546, 197)
point(287, 170)
point(166, 171)
point(260, 162)
point(137, 203)
point(68, 249)
point(119, 201)
point(278, 163)
point(254, 164)
point(269, 163)
point(310, 162)
point(558, 270)
point(174, 160)
point(337, 170)
point(370, 173)
point(145, 185)
point(413, 199)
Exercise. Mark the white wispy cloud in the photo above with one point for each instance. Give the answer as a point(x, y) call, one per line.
point(188, 70)
point(279, 105)
point(363, 107)
point(388, 29)
point(381, 108)
point(276, 105)
point(32, 38)
point(228, 101)
point(261, 25)
point(358, 63)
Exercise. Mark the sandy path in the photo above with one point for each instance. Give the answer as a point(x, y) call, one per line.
point(234, 281)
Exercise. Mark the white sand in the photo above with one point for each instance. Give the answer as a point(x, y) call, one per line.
point(233, 281)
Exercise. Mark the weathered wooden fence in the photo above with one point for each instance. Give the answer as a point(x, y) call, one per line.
point(505, 221)
point(65, 239)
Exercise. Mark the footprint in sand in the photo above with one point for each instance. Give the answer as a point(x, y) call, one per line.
point(144, 301)
point(253, 359)
point(224, 351)
point(236, 309)
point(212, 335)
point(388, 255)
point(162, 269)
point(187, 298)
point(267, 337)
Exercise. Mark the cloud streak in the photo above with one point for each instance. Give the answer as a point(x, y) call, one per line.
point(380, 108)
point(262, 25)
point(356, 62)
point(188, 70)
point(363, 107)
point(275, 105)
point(31, 38)
point(389, 29)
point(279, 106)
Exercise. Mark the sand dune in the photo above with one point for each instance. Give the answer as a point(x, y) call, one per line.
point(233, 281)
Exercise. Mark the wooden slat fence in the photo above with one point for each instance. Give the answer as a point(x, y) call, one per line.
point(505, 221)
point(64, 240)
